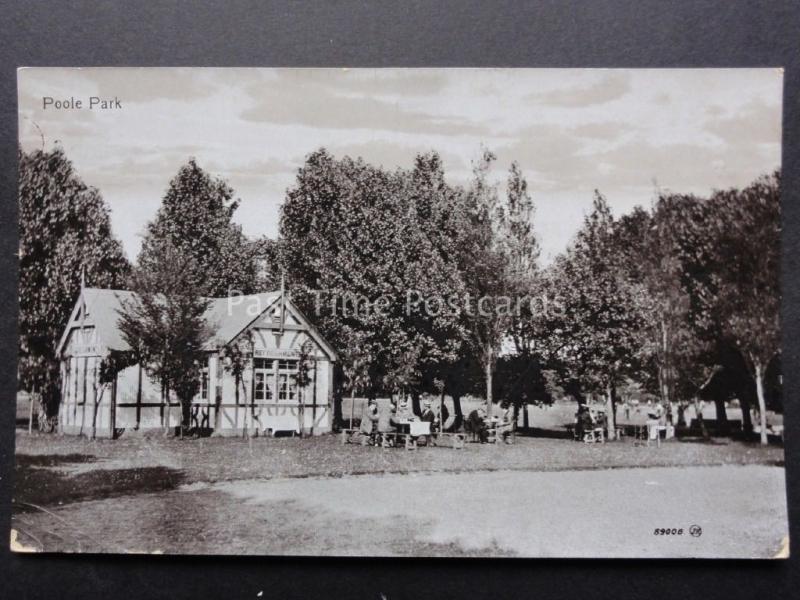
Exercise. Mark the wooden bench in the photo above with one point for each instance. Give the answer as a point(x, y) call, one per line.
point(396, 439)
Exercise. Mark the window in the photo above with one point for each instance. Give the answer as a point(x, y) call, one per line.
point(287, 380)
point(204, 383)
point(264, 379)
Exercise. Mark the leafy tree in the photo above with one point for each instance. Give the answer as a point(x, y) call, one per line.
point(603, 307)
point(745, 277)
point(195, 217)
point(165, 325)
point(359, 260)
point(64, 231)
point(484, 269)
point(519, 244)
point(110, 366)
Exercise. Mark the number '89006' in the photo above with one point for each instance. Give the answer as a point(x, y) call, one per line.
point(668, 531)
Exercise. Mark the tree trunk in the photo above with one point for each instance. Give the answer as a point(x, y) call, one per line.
point(459, 422)
point(699, 414)
point(415, 407)
point(98, 400)
point(338, 417)
point(31, 400)
point(300, 412)
point(168, 418)
point(441, 411)
point(610, 416)
point(762, 403)
point(489, 382)
point(747, 421)
point(186, 414)
point(723, 425)
point(352, 404)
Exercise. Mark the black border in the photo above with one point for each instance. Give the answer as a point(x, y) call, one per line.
point(569, 33)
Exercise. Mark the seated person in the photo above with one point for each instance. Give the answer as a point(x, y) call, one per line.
point(476, 423)
point(506, 425)
point(388, 423)
point(583, 422)
point(428, 414)
point(404, 411)
point(369, 420)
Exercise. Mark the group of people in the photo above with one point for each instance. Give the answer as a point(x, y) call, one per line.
point(585, 422)
point(376, 425)
point(483, 427)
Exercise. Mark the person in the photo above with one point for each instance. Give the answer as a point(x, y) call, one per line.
point(476, 423)
point(506, 425)
point(404, 411)
point(369, 421)
point(583, 422)
point(388, 424)
point(428, 416)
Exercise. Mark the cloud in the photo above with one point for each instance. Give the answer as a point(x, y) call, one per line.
point(609, 87)
point(602, 130)
point(317, 103)
point(571, 130)
point(755, 123)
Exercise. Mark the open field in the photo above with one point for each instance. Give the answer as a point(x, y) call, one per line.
point(307, 496)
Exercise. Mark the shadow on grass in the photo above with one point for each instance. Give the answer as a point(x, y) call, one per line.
point(48, 487)
point(554, 434)
point(52, 460)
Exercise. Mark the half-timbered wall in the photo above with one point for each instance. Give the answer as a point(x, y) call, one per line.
point(265, 400)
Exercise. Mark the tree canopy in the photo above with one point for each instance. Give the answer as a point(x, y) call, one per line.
point(196, 218)
point(64, 234)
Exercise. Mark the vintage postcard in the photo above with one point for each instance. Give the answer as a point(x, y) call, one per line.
point(400, 312)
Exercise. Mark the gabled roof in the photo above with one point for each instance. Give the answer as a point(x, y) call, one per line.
point(228, 317)
point(101, 308)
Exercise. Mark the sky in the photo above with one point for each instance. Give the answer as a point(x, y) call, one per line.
point(628, 133)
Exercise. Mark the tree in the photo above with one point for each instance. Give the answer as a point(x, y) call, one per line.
point(302, 378)
point(165, 323)
point(484, 269)
point(745, 277)
point(195, 217)
point(603, 307)
point(519, 244)
point(64, 231)
point(110, 366)
point(358, 257)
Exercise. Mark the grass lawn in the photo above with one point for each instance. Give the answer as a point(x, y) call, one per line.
point(54, 469)
point(317, 496)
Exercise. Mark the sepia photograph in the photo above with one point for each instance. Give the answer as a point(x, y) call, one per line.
point(434, 312)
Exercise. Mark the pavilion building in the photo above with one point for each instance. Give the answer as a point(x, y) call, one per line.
point(266, 398)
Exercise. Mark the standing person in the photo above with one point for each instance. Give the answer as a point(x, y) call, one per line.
point(369, 421)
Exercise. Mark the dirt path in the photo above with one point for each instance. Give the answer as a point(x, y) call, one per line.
point(611, 513)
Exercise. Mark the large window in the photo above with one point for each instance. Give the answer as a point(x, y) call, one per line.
point(287, 380)
point(275, 380)
point(264, 379)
